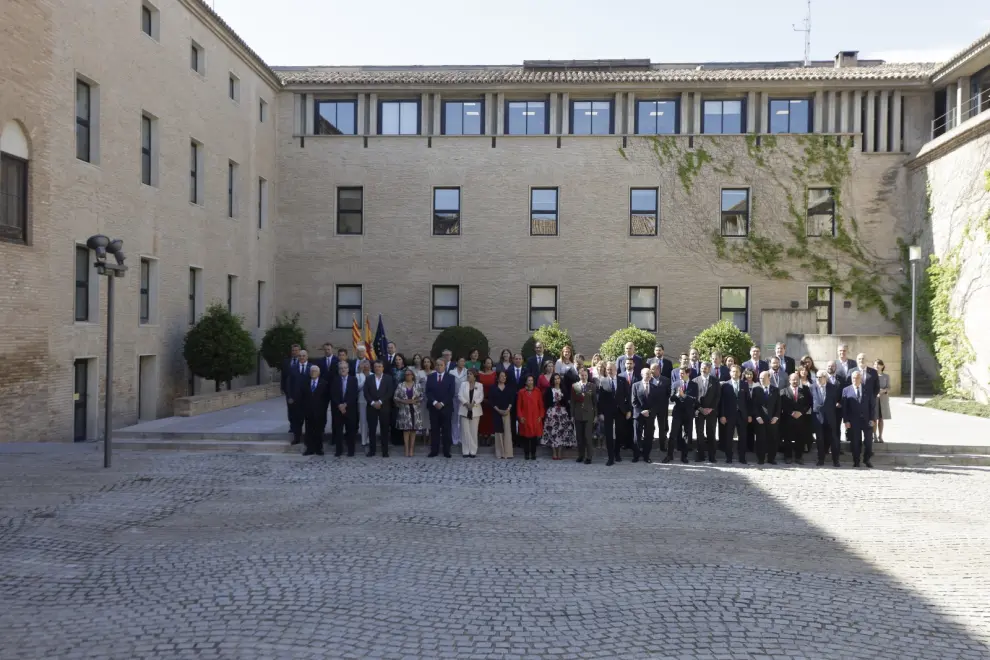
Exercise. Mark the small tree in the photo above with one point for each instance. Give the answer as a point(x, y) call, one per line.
point(553, 337)
point(279, 338)
point(218, 347)
point(615, 345)
point(727, 338)
point(460, 339)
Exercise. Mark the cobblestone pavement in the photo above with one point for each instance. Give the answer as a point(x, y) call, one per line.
point(198, 555)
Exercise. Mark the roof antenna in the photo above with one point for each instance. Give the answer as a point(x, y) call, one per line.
point(807, 35)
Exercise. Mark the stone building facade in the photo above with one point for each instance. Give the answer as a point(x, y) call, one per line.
point(597, 193)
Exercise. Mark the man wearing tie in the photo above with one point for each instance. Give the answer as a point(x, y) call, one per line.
point(518, 373)
point(630, 353)
point(625, 428)
point(766, 411)
point(440, 403)
point(344, 405)
point(786, 362)
point(719, 370)
point(778, 375)
point(662, 423)
point(675, 375)
point(298, 379)
point(754, 363)
point(390, 361)
point(290, 365)
point(666, 366)
point(857, 410)
point(378, 391)
point(313, 401)
point(614, 401)
point(695, 359)
point(796, 407)
point(870, 379)
point(327, 363)
point(685, 399)
point(647, 404)
point(709, 392)
point(734, 414)
point(827, 400)
point(535, 363)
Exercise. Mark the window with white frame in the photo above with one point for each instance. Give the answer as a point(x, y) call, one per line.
point(734, 306)
point(542, 306)
point(446, 306)
point(350, 301)
point(643, 307)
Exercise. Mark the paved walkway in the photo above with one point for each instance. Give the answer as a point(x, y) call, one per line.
point(184, 556)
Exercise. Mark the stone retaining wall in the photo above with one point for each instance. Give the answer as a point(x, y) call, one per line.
point(190, 406)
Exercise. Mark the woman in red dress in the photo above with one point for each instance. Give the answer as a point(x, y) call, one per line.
point(487, 375)
point(530, 412)
point(543, 382)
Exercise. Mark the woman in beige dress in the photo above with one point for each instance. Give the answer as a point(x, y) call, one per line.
point(470, 396)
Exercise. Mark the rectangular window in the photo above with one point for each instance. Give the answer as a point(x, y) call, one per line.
point(146, 20)
point(149, 20)
point(820, 300)
point(446, 306)
point(542, 306)
point(13, 198)
point(146, 131)
point(527, 118)
point(790, 115)
point(398, 117)
point(262, 110)
point(234, 88)
point(821, 212)
point(657, 117)
point(262, 203)
point(261, 303)
point(231, 188)
point(591, 117)
point(350, 210)
point(145, 291)
point(446, 211)
point(336, 117)
point(644, 208)
point(643, 307)
point(83, 268)
point(543, 212)
point(724, 117)
point(734, 306)
point(735, 212)
point(193, 295)
point(463, 118)
point(231, 293)
point(197, 58)
point(83, 119)
point(195, 189)
point(349, 304)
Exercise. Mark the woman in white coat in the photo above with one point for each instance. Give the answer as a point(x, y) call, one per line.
point(469, 396)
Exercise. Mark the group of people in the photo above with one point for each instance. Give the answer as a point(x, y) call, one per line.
point(768, 407)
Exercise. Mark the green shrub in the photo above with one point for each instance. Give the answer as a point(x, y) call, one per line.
point(553, 337)
point(460, 339)
point(278, 340)
point(218, 347)
point(614, 346)
point(961, 406)
point(725, 337)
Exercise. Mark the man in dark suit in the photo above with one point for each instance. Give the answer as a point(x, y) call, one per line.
point(858, 413)
point(779, 378)
point(290, 365)
point(754, 363)
point(344, 404)
point(734, 414)
point(826, 398)
point(440, 402)
point(719, 370)
point(298, 377)
point(516, 374)
point(534, 365)
point(871, 379)
point(389, 359)
point(786, 362)
point(766, 413)
point(796, 407)
point(630, 353)
point(666, 366)
point(662, 422)
point(695, 359)
point(615, 406)
point(675, 375)
point(312, 396)
point(709, 393)
point(626, 428)
point(378, 391)
point(844, 365)
point(327, 363)
point(685, 400)
point(648, 402)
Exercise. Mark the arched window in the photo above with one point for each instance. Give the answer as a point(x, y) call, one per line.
point(14, 157)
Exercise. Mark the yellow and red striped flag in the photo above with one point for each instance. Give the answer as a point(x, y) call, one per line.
point(369, 340)
point(355, 334)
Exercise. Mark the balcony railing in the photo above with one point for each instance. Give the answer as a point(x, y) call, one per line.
point(970, 108)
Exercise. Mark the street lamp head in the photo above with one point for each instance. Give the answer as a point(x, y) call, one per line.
point(98, 244)
point(116, 248)
point(914, 253)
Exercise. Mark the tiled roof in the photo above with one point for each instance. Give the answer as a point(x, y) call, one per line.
point(657, 73)
point(978, 45)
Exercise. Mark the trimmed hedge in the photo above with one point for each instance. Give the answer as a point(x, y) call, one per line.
point(614, 346)
point(727, 338)
point(460, 340)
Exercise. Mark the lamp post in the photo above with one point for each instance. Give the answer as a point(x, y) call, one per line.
point(104, 246)
point(914, 256)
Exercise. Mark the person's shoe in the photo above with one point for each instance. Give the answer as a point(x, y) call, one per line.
point(610, 463)
point(712, 461)
point(855, 464)
point(788, 460)
point(446, 455)
point(699, 459)
point(384, 454)
point(580, 459)
point(666, 459)
point(684, 458)
point(799, 461)
point(338, 454)
point(868, 464)
point(296, 441)
point(635, 459)
point(728, 460)
point(647, 460)
point(308, 453)
point(772, 461)
point(743, 461)
point(587, 461)
point(319, 453)
point(820, 462)
point(836, 464)
point(760, 461)
point(370, 454)
point(618, 459)
point(432, 454)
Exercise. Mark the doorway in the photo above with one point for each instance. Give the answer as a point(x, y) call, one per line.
point(80, 401)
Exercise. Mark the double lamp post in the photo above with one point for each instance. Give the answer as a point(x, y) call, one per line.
point(103, 246)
